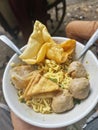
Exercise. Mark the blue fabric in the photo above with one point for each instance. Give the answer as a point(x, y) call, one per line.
point(93, 125)
point(5, 120)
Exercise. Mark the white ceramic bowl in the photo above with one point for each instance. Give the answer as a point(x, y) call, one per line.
point(54, 120)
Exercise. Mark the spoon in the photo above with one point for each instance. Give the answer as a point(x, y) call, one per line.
point(8, 42)
point(91, 41)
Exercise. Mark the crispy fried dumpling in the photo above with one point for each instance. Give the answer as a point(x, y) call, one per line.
point(39, 37)
point(41, 45)
point(61, 52)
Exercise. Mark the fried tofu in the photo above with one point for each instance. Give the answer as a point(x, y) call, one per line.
point(40, 85)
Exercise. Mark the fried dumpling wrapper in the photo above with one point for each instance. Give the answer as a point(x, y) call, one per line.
point(21, 75)
point(40, 55)
point(60, 52)
point(40, 85)
point(41, 45)
point(68, 46)
point(39, 36)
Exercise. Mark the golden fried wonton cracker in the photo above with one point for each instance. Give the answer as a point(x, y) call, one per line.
point(41, 45)
point(39, 36)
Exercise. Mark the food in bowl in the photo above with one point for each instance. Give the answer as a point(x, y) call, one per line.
point(49, 80)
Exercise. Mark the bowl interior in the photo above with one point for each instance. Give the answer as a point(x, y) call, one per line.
point(54, 120)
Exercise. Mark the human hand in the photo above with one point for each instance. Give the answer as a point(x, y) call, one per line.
point(19, 124)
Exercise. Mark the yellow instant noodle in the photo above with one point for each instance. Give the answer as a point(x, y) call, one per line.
point(42, 105)
point(55, 72)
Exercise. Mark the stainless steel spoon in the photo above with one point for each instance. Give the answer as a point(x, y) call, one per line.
point(91, 41)
point(8, 42)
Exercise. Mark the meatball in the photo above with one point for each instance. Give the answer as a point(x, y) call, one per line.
point(62, 102)
point(79, 87)
point(77, 70)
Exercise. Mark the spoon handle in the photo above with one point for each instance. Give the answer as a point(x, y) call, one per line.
point(91, 41)
point(10, 44)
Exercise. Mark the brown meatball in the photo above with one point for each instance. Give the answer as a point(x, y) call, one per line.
point(77, 70)
point(79, 87)
point(63, 101)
